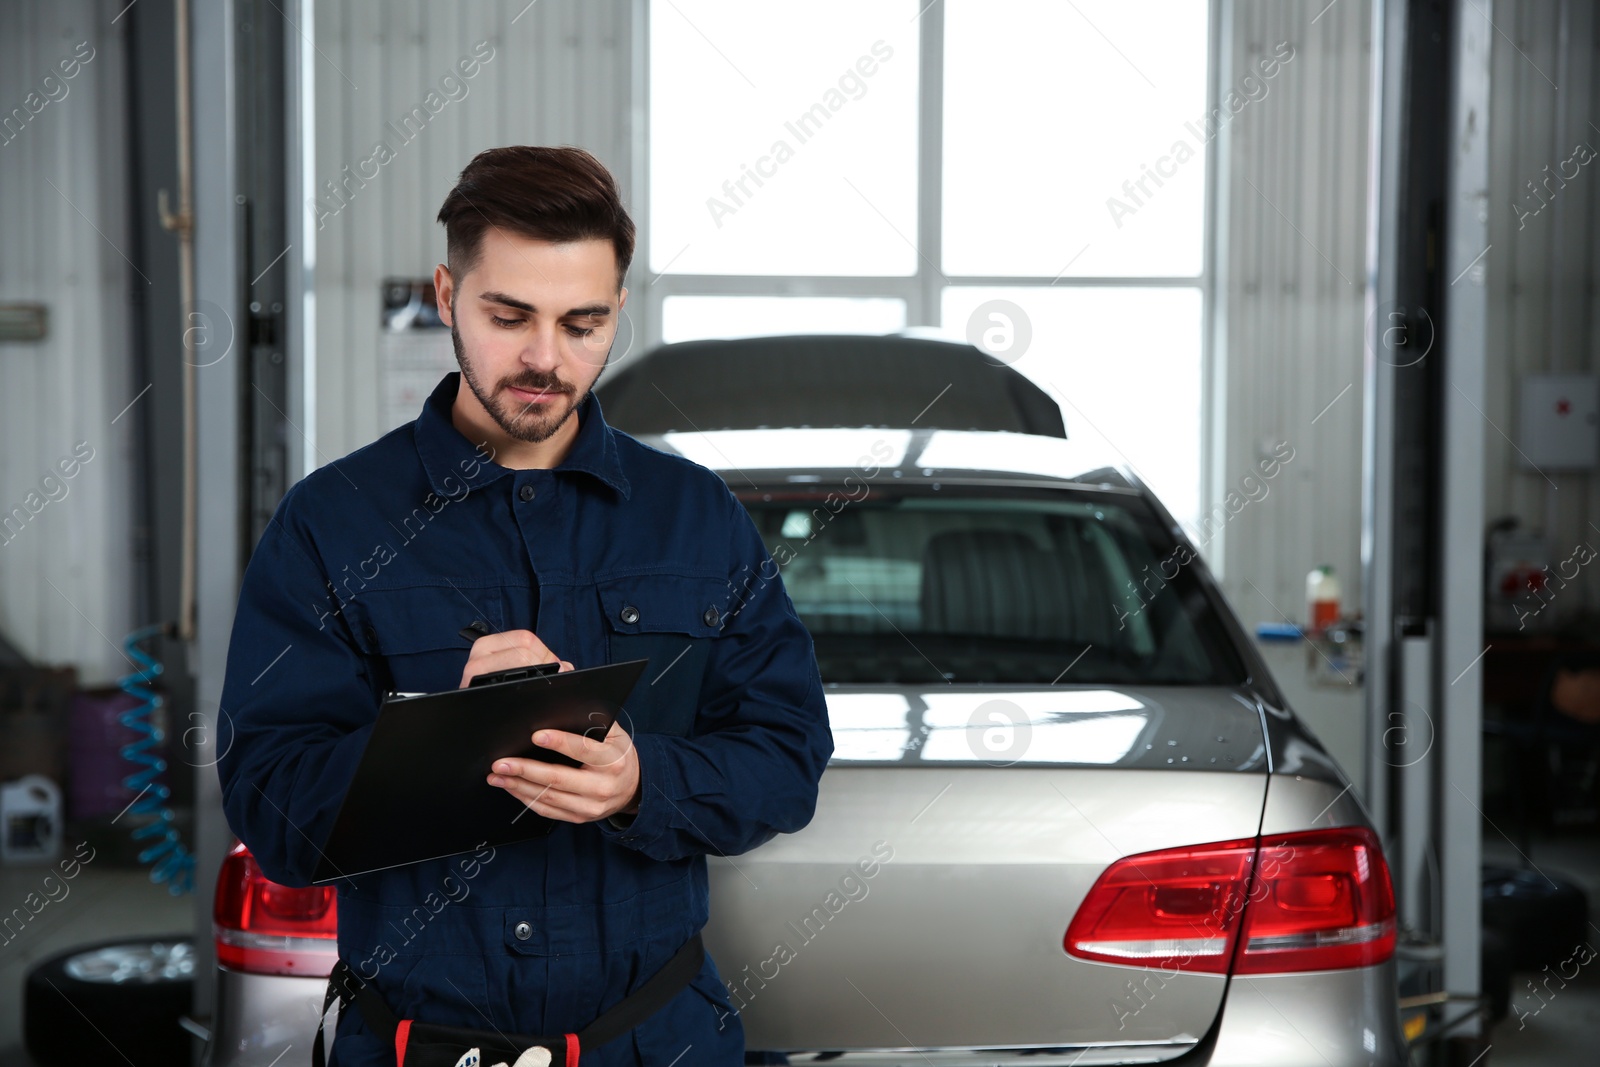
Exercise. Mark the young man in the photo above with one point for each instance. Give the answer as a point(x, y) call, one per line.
point(510, 506)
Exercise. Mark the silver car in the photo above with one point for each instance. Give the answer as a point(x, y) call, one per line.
point(1069, 817)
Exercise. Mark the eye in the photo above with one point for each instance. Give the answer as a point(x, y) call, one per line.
point(507, 323)
point(578, 331)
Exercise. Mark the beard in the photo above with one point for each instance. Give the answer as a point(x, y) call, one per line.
point(524, 422)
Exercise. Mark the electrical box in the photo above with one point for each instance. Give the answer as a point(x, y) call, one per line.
point(1559, 426)
point(414, 349)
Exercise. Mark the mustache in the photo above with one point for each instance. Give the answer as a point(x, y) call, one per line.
point(539, 383)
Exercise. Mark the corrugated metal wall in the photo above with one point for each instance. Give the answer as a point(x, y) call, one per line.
point(1294, 176)
point(65, 564)
point(1541, 268)
point(1294, 233)
point(560, 73)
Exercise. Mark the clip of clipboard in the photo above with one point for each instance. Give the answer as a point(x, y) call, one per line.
point(420, 793)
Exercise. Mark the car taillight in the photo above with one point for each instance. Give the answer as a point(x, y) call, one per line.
point(1322, 901)
point(1174, 909)
point(1313, 901)
point(266, 928)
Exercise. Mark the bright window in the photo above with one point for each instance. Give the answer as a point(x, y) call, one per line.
point(783, 138)
point(1054, 159)
point(1064, 175)
point(1124, 365)
point(688, 318)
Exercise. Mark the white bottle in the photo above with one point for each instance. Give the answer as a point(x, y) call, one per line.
point(1322, 600)
point(30, 820)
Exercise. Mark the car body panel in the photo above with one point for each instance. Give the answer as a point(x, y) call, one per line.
point(986, 868)
point(1326, 1019)
point(1301, 802)
point(708, 384)
point(1213, 728)
point(1345, 1018)
point(257, 1017)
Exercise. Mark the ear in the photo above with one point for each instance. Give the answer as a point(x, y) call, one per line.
point(444, 292)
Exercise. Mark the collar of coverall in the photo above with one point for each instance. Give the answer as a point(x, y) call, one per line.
point(453, 462)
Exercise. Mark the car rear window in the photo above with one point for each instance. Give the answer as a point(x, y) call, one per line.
point(980, 586)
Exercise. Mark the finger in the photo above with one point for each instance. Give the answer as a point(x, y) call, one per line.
point(530, 792)
point(565, 666)
point(565, 807)
point(512, 639)
point(558, 804)
point(507, 658)
point(614, 747)
point(585, 750)
point(502, 659)
point(495, 661)
point(550, 811)
point(539, 773)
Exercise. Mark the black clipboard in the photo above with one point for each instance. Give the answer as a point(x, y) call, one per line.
point(420, 793)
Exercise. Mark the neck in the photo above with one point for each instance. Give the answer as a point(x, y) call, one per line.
point(477, 425)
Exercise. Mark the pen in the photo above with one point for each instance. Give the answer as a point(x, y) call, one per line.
point(474, 630)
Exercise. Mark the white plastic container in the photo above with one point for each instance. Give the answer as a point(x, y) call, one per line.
point(1322, 600)
point(30, 820)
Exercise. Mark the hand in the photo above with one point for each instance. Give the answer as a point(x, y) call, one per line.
point(503, 651)
point(605, 784)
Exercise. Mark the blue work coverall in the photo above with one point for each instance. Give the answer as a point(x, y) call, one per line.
point(363, 578)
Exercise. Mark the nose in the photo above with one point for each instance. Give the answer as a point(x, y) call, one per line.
point(543, 350)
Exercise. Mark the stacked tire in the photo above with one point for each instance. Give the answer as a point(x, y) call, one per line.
point(115, 1001)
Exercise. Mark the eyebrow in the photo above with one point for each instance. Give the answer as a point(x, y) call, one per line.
point(522, 305)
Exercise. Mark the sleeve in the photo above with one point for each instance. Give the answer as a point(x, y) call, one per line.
point(298, 703)
point(761, 740)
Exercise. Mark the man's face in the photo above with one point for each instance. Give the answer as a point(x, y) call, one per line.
point(532, 324)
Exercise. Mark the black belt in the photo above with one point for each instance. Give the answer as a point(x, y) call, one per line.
point(433, 1045)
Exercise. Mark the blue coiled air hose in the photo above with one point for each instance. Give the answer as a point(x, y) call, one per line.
point(172, 862)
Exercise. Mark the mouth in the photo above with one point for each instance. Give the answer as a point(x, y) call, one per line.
point(534, 396)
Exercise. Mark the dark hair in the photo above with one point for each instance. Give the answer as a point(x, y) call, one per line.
point(550, 194)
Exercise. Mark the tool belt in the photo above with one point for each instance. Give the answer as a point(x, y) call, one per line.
point(421, 1044)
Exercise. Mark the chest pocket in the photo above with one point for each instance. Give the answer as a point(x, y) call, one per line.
point(671, 620)
point(412, 633)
